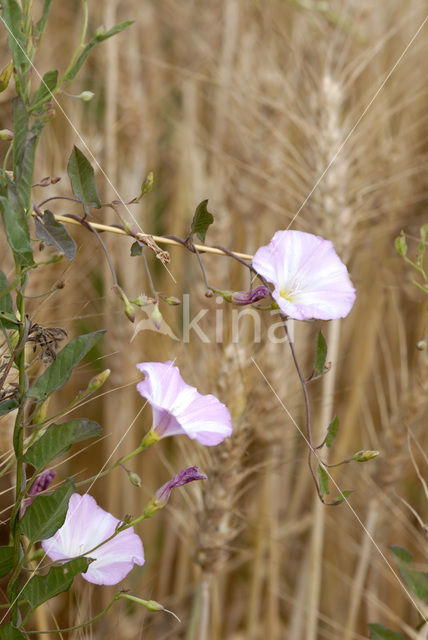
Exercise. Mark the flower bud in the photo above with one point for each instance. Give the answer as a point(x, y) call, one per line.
point(128, 306)
point(100, 31)
point(156, 316)
point(40, 484)
point(190, 474)
point(147, 185)
point(422, 345)
point(243, 298)
point(134, 479)
point(364, 456)
point(6, 134)
point(97, 381)
point(143, 301)
point(171, 300)
point(86, 96)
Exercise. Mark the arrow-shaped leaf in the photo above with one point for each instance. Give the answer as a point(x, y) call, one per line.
point(54, 234)
point(57, 374)
point(82, 180)
point(202, 219)
point(58, 439)
point(59, 579)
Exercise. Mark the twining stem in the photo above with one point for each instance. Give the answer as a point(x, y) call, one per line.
point(303, 382)
point(84, 624)
point(18, 445)
point(160, 239)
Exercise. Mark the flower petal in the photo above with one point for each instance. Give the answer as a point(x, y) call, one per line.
point(310, 279)
point(206, 420)
point(87, 525)
point(115, 559)
point(180, 408)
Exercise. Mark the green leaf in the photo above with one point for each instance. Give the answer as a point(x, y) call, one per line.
point(7, 317)
point(100, 37)
point(417, 581)
point(6, 560)
point(6, 406)
point(55, 234)
point(58, 439)
point(323, 480)
point(16, 227)
point(402, 556)
point(13, 21)
point(202, 219)
point(332, 431)
point(5, 76)
point(82, 180)
point(44, 516)
point(20, 130)
point(7, 632)
point(379, 632)
point(341, 497)
point(320, 354)
point(59, 579)
point(72, 73)
point(136, 249)
point(44, 92)
point(57, 374)
point(25, 170)
point(40, 26)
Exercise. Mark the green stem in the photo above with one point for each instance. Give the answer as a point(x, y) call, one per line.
point(18, 445)
point(80, 46)
point(84, 624)
point(147, 442)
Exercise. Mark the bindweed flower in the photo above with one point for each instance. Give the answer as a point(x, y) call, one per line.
point(179, 408)
point(309, 278)
point(41, 483)
point(86, 526)
point(161, 497)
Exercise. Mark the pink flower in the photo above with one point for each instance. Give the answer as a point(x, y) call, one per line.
point(179, 408)
point(87, 525)
point(309, 278)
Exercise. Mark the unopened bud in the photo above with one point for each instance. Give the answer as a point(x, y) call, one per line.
point(97, 381)
point(128, 306)
point(243, 298)
point(156, 316)
point(100, 32)
point(143, 301)
point(209, 293)
point(364, 456)
point(147, 185)
point(421, 345)
point(129, 311)
point(49, 115)
point(401, 244)
point(86, 96)
point(152, 605)
point(6, 134)
point(134, 479)
point(171, 300)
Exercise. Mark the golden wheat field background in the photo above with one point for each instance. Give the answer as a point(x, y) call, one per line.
point(305, 113)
